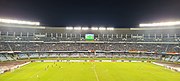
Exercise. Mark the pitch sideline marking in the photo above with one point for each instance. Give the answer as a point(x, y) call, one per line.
point(97, 78)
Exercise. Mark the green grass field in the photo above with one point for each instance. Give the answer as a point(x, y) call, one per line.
point(91, 72)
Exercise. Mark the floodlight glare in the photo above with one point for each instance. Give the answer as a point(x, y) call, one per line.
point(77, 28)
point(69, 28)
point(94, 28)
point(160, 24)
point(85, 28)
point(110, 28)
point(10, 21)
point(102, 28)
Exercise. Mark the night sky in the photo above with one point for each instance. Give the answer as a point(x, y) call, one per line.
point(116, 13)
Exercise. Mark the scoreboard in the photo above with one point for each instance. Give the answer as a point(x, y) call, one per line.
point(89, 37)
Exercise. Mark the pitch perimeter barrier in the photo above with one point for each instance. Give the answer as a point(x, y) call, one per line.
point(168, 67)
point(88, 61)
point(13, 68)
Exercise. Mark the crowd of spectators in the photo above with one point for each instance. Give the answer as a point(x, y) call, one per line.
point(113, 38)
point(89, 46)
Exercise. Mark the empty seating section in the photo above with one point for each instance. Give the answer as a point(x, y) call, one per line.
point(53, 55)
point(43, 55)
point(179, 60)
point(23, 55)
point(6, 57)
point(174, 58)
point(3, 58)
point(168, 58)
point(9, 57)
point(35, 55)
point(64, 55)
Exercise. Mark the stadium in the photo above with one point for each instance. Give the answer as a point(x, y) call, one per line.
point(31, 52)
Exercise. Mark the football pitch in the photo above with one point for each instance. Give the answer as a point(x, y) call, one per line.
point(90, 71)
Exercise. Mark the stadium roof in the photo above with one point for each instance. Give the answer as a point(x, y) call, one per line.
point(48, 27)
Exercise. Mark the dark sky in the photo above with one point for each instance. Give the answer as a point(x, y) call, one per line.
point(116, 13)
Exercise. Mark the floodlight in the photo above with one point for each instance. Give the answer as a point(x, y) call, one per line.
point(102, 28)
point(10, 21)
point(85, 28)
point(69, 28)
point(110, 28)
point(160, 24)
point(77, 28)
point(94, 28)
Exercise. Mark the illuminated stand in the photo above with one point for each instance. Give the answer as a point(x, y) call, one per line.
point(87, 28)
point(11, 21)
point(159, 24)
